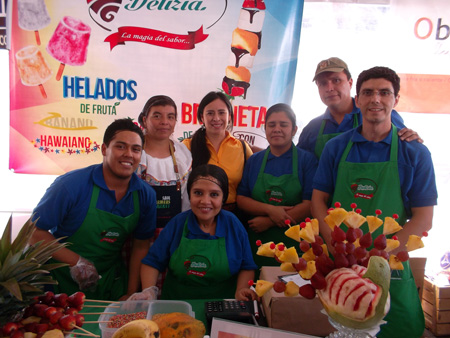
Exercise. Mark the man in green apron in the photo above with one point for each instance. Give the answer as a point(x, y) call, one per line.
point(372, 167)
point(334, 82)
point(96, 209)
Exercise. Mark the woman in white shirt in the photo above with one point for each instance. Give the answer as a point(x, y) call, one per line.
point(165, 163)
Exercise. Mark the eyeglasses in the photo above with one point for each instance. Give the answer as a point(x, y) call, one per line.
point(370, 92)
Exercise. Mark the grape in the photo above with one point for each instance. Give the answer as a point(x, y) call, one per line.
point(318, 281)
point(380, 242)
point(307, 291)
point(339, 247)
point(374, 252)
point(340, 261)
point(365, 261)
point(360, 252)
point(301, 265)
point(358, 232)
point(403, 256)
point(366, 240)
point(384, 254)
point(318, 239)
point(324, 264)
point(279, 286)
point(317, 249)
point(339, 234)
point(351, 235)
point(351, 259)
point(304, 246)
point(349, 248)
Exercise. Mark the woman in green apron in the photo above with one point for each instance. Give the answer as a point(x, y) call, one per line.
point(205, 249)
point(405, 300)
point(277, 184)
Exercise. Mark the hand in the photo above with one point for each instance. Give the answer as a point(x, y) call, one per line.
point(409, 135)
point(85, 274)
point(150, 293)
point(246, 294)
point(278, 215)
point(260, 224)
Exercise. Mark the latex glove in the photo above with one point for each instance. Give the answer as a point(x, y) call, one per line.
point(85, 274)
point(150, 293)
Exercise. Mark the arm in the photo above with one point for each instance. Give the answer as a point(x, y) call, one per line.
point(243, 291)
point(319, 208)
point(300, 211)
point(149, 276)
point(138, 252)
point(63, 255)
point(420, 221)
point(277, 214)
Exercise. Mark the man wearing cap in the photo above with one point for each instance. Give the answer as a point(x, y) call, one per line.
point(334, 81)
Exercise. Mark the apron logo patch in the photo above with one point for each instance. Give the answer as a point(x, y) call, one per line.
point(275, 194)
point(109, 236)
point(163, 203)
point(364, 188)
point(197, 265)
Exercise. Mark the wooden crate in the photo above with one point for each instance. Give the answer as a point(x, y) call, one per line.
point(436, 307)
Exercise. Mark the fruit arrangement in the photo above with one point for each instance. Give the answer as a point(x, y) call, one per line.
point(354, 287)
point(50, 316)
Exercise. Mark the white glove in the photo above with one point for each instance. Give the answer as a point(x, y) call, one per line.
point(150, 293)
point(85, 274)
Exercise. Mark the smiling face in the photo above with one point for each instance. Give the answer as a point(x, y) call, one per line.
point(376, 108)
point(334, 90)
point(216, 118)
point(122, 156)
point(206, 199)
point(279, 130)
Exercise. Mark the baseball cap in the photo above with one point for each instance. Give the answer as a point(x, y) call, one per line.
point(333, 64)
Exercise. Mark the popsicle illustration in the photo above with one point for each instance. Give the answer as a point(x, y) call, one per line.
point(33, 69)
point(69, 43)
point(33, 16)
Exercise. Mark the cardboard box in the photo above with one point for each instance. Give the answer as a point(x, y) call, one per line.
point(417, 265)
point(296, 314)
point(436, 307)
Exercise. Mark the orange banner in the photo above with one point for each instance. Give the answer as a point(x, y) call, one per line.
point(424, 93)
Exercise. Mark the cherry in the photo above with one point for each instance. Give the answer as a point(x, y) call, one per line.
point(48, 312)
point(395, 216)
point(60, 300)
point(272, 246)
point(358, 211)
point(425, 234)
point(76, 299)
point(395, 237)
point(9, 327)
point(251, 282)
point(54, 318)
point(287, 222)
point(302, 225)
point(378, 212)
point(307, 219)
point(67, 322)
point(79, 319)
point(337, 205)
point(46, 298)
point(281, 247)
point(258, 242)
point(353, 205)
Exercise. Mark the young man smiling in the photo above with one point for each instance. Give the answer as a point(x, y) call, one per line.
point(98, 208)
point(400, 178)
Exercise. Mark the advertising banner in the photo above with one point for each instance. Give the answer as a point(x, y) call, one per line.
point(75, 66)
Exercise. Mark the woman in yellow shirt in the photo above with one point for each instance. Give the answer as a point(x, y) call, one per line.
point(212, 143)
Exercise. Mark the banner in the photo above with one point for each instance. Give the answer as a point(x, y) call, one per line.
point(77, 66)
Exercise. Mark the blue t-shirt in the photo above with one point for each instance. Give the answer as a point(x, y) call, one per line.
point(228, 226)
point(308, 136)
point(415, 166)
point(277, 166)
point(64, 205)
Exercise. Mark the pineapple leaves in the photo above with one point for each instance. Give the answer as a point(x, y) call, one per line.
point(13, 287)
point(5, 242)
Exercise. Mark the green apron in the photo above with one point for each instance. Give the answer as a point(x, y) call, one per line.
point(377, 186)
point(285, 190)
point(323, 139)
point(100, 239)
point(199, 269)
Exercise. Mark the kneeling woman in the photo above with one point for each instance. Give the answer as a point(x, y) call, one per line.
point(205, 249)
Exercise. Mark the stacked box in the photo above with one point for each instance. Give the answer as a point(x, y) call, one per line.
point(436, 307)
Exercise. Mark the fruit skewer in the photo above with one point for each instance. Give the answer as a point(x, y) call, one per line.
point(84, 330)
point(96, 321)
point(112, 306)
point(101, 301)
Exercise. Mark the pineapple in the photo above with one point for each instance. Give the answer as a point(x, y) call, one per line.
point(23, 270)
